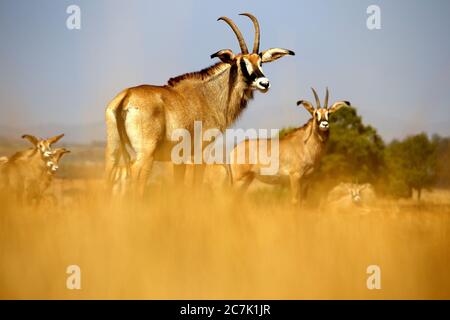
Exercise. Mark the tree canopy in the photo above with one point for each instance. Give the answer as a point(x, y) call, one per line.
point(411, 165)
point(354, 150)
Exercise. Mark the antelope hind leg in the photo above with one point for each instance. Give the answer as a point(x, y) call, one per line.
point(112, 152)
point(295, 188)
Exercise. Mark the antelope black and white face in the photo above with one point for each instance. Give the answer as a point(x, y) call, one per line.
point(53, 161)
point(250, 64)
point(45, 148)
point(355, 191)
point(52, 166)
point(319, 114)
point(251, 68)
point(356, 195)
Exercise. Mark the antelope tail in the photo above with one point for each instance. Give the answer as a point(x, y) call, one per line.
point(124, 139)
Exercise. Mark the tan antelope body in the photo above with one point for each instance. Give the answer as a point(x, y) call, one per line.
point(144, 118)
point(24, 173)
point(299, 155)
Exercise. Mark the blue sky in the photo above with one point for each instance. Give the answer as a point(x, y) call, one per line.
point(398, 77)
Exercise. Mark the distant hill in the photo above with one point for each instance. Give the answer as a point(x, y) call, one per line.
point(80, 134)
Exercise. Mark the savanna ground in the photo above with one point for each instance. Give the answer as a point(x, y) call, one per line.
point(205, 245)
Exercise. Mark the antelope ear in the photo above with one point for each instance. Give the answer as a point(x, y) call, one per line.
point(308, 106)
point(364, 186)
point(273, 54)
point(55, 139)
point(335, 107)
point(31, 138)
point(60, 152)
point(225, 55)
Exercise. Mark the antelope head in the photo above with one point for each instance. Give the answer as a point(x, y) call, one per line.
point(53, 162)
point(249, 65)
point(321, 114)
point(355, 191)
point(43, 145)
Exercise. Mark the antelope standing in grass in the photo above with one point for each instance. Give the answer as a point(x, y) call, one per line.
point(26, 169)
point(299, 152)
point(37, 189)
point(144, 117)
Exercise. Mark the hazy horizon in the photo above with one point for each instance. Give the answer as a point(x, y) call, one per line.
point(397, 77)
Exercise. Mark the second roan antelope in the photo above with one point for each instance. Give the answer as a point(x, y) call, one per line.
point(23, 172)
point(300, 152)
point(143, 118)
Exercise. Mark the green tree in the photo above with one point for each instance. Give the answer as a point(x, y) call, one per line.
point(411, 165)
point(354, 150)
point(443, 161)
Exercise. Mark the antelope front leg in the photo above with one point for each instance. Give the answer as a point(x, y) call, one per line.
point(295, 188)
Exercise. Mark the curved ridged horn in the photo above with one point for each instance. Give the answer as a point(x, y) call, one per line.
point(326, 99)
point(316, 97)
point(257, 31)
point(55, 139)
point(237, 32)
point(31, 138)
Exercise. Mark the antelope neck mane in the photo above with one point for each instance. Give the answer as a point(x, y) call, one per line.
point(19, 155)
point(201, 75)
point(302, 128)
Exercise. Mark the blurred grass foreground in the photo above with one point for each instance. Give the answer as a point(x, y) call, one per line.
point(181, 244)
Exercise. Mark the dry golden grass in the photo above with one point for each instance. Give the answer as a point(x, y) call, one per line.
point(198, 245)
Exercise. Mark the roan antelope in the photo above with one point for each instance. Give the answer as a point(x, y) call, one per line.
point(300, 152)
point(143, 118)
point(26, 169)
point(37, 190)
point(349, 197)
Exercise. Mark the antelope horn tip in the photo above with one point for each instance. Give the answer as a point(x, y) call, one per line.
point(316, 96)
point(237, 32)
point(257, 31)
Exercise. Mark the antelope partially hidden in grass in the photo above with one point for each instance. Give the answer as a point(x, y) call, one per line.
point(24, 172)
point(350, 197)
point(144, 117)
point(37, 190)
point(300, 152)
